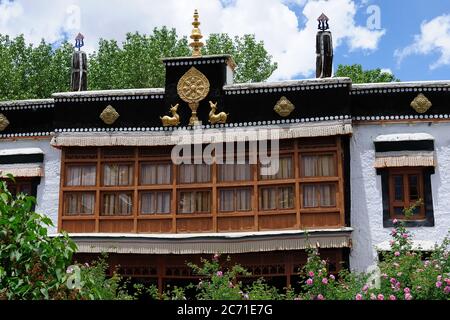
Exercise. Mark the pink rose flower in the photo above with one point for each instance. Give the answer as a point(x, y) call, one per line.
point(384, 275)
point(405, 236)
point(392, 297)
point(380, 297)
point(358, 296)
point(406, 290)
point(373, 297)
point(365, 288)
point(396, 253)
point(439, 278)
point(394, 221)
point(216, 257)
point(332, 277)
point(391, 242)
point(319, 297)
point(447, 289)
point(408, 296)
point(394, 232)
point(325, 281)
point(309, 282)
point(438, 284)
point(311, 274)
point(393, 281)
point(219, 273)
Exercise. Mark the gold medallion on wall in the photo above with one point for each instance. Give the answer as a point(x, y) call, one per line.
point(3, 122)
point(421, 103)
point(192, 88)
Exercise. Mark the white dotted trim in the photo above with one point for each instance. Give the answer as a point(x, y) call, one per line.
point(26, 134)
point(402, 117)
point(284, 89)
point(394, 90)
point(114, 98)
point(193, 62)
point(222, 125)
point(26, 107)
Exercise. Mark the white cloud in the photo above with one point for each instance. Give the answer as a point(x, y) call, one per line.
point(386, 70)
point(434, 37)
point(270, 20)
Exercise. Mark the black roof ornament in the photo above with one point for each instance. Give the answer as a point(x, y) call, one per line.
point(323, 22)
point(79, 41)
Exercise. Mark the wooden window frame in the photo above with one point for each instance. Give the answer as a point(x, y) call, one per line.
point(407, 202)
point(234, 189)
point(212, 220)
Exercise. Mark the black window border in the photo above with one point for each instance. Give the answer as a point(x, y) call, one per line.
point(428, 200)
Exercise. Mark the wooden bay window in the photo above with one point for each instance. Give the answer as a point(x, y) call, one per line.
point(140, 190)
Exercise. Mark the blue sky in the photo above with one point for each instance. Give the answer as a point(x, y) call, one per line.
point(402, 20)
point(413, 38)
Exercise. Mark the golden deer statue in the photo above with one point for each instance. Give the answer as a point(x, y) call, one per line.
point(171, 121)
point(216, 118)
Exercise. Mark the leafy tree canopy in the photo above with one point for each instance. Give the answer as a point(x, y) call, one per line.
point(35, 72)
point(358, 75)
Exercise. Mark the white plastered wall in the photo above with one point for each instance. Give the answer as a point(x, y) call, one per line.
point(48, 189)
point(366, 194)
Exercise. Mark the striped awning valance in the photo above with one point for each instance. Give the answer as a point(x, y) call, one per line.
point(405, 159)
point(22, 170)
point(194, 136)
point(136, 244)
point(404, 150)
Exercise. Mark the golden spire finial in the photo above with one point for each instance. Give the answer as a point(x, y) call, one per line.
point(196, 36)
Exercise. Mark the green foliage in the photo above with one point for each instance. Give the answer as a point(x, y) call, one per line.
point(137, 64)
point(358, 75)
point(219, 283)
point(32, 72)
point(32, 264)
point(254, 64)
point(29, 72)
point(96, 285)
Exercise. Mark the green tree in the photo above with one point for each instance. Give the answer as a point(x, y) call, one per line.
point(32, 72)
point(358, 75)
point(254, 64)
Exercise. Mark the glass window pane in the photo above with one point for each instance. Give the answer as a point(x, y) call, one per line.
point(310, 196)
point(398, 188)
point(79, 203)
point(155, 174)
point(285, 170)
point(187, 203)
point(195, 201)
point(234, 172)
point(203, 203)
point(398, 211)
point(155, 202)
point(226, 200)
point(286, 197)
point(243, 199)
point(117, 174)
point(327, 195)
point(148, 203)
point(117, 204)
point(80, 175)
point(413, 187)
point(318, 165)
point(195, 173)
point(268, 198)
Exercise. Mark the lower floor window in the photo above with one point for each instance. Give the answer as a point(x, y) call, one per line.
point(195, 202)
point(274, 198)
point(155, 202)
point(232, 200)
point(79, 203)
point(407, 195)
point(319, 195)
point(117, 204)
